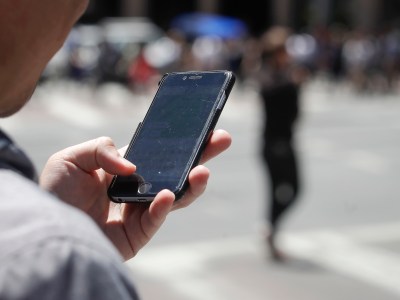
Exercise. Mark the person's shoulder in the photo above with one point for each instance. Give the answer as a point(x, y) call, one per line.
point(59, 269)
point(54, 249)
point(28, 211)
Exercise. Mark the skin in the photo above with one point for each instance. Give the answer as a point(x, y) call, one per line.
point(31, 32)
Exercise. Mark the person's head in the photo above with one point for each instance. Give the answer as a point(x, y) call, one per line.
point(31, 32)
point(273, 43)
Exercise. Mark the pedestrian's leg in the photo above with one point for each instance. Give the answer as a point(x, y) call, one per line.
point(284, 188)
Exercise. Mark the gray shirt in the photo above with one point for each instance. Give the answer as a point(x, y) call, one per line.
point(50, 250)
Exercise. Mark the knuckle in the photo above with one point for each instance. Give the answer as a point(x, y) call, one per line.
point(105, 140)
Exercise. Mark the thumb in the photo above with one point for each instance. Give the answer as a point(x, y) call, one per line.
point(99, 153)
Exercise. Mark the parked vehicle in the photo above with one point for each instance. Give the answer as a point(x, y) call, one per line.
point(102, 52)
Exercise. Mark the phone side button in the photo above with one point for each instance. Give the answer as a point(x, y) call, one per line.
point(222, 101)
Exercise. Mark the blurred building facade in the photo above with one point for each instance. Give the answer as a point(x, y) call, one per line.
point(361, 14)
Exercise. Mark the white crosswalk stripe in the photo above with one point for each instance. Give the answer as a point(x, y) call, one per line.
point(343, 251)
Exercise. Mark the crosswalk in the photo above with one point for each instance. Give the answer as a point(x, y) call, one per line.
point(355, 252)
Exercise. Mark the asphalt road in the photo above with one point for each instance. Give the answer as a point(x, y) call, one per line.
point(343, 237)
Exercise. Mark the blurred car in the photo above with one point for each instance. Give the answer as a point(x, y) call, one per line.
point(124, 40)
point(78, 57)
point(84, 53)
point(104, 51)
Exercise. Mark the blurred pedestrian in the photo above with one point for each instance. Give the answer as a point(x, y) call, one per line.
point(142, 76)
point(62, 238)
point(279, 88)
point(358, 55)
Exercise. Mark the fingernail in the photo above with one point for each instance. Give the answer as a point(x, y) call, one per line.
point(128, 163)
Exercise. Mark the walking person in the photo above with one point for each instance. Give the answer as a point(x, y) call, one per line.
point(279, 90)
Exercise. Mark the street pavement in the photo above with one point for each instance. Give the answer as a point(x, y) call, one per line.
point(342, 238)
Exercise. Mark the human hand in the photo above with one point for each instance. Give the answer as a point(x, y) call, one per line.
point(81, 174)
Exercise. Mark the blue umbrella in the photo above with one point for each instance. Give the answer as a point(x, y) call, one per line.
point(201, 24)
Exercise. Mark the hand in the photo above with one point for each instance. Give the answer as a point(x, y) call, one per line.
point(81, 174)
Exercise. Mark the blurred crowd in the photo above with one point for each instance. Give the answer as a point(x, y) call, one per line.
point(368, 61)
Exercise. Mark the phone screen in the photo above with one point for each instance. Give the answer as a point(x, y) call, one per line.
point(174, 127)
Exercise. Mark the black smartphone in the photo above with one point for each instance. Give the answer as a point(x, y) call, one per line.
point(169, 141)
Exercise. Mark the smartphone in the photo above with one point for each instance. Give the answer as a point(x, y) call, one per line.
point(169, 141)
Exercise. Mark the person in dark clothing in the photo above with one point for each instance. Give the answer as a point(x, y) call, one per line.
point(279, 90)
point(279, 155)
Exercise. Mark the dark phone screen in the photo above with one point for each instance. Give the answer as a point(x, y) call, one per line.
point(173, 127)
